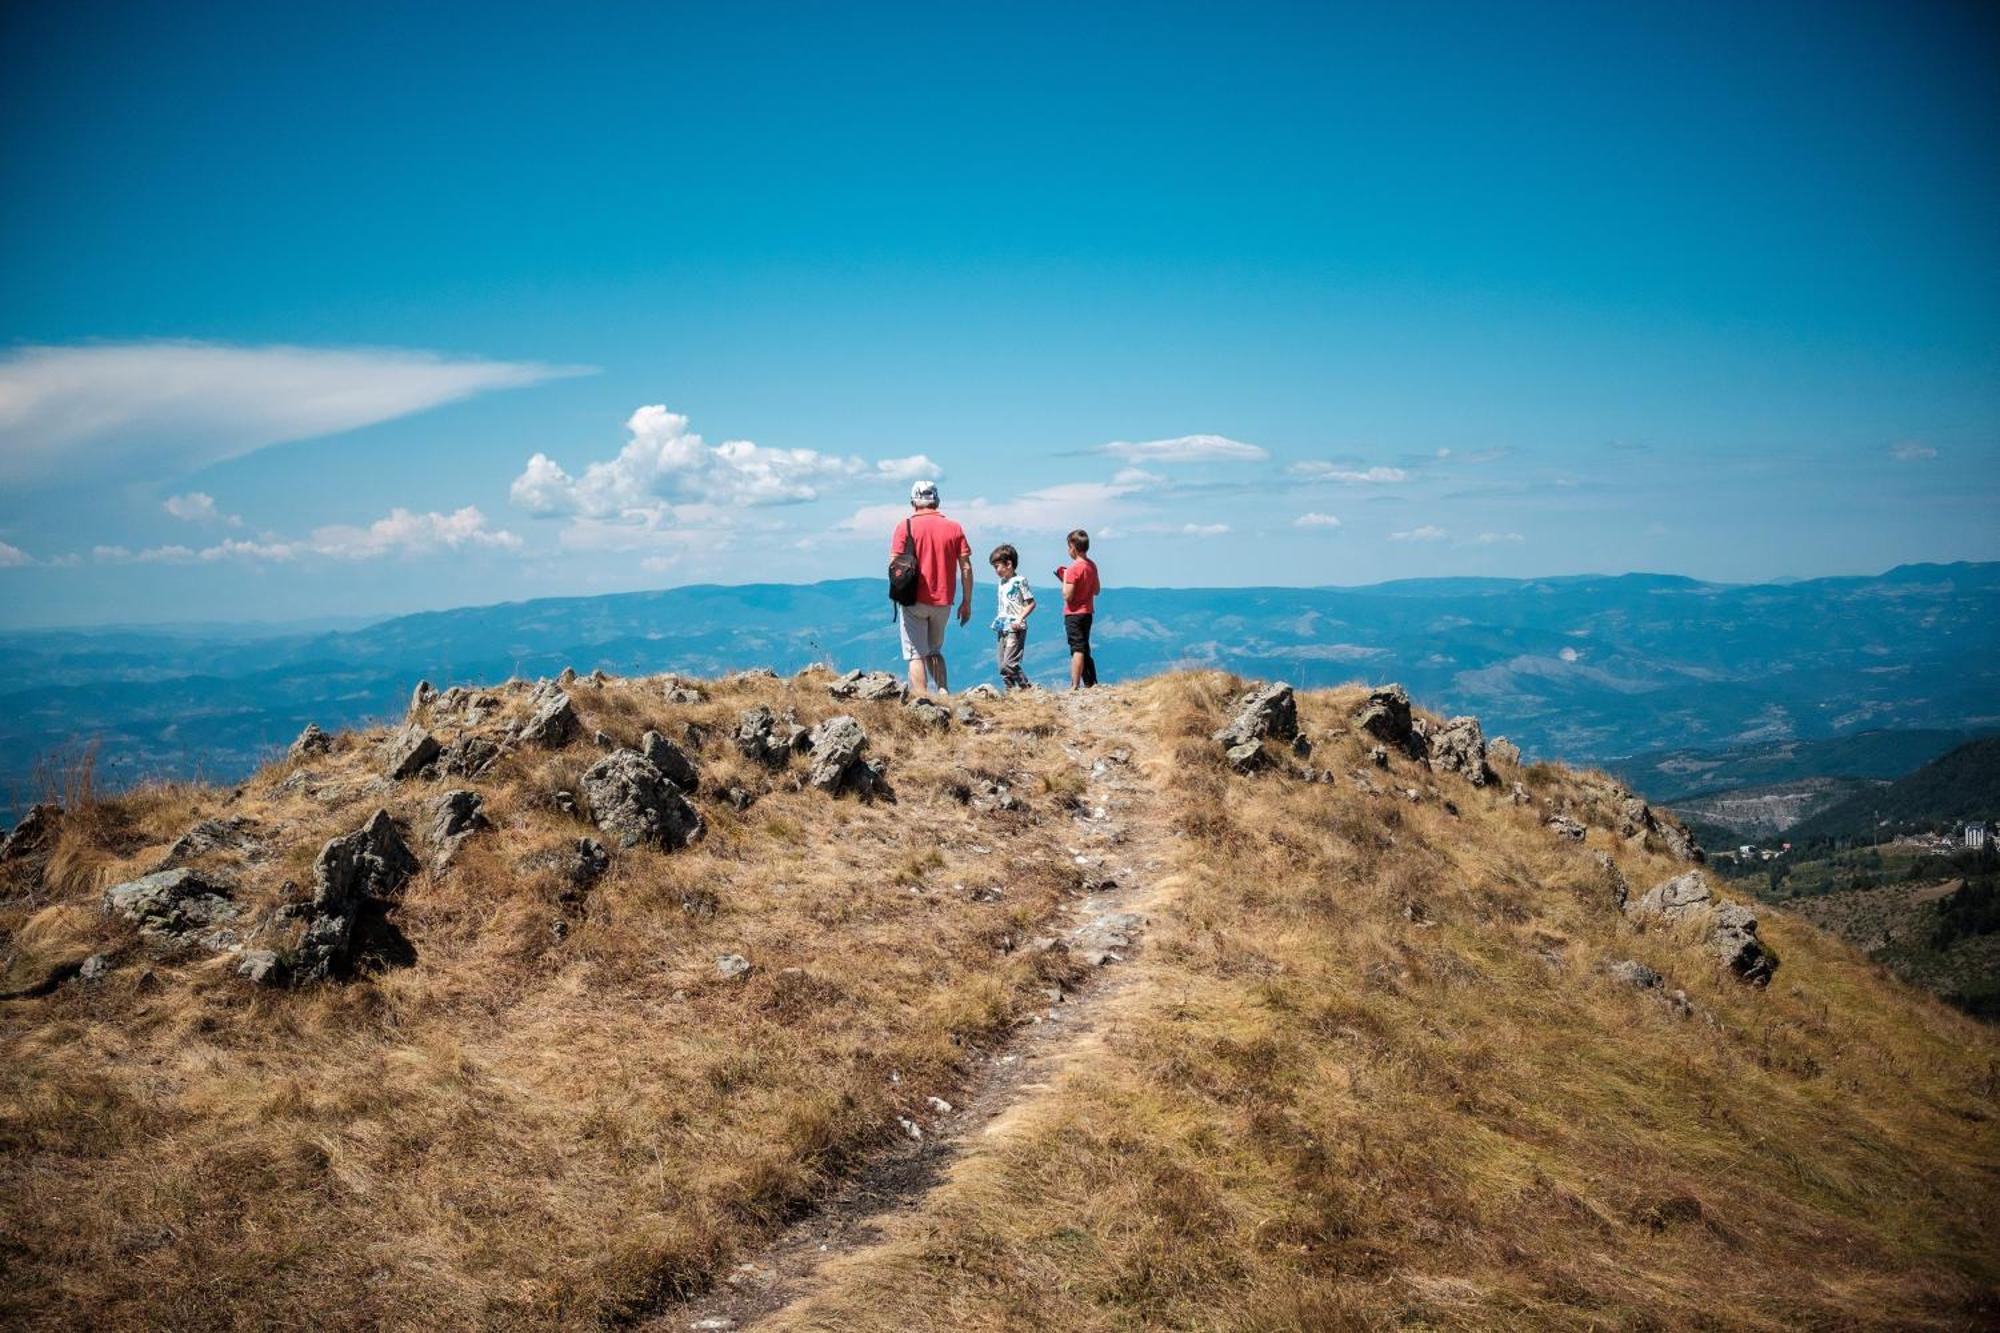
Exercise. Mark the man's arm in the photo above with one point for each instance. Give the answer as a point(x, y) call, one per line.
point(965, 577)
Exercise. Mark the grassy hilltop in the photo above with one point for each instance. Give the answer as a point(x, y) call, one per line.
point(1364, 1065)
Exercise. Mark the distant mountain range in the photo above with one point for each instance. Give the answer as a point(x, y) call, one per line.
point(1586, 668)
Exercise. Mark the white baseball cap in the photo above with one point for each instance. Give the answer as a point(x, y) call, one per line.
point(923, 492)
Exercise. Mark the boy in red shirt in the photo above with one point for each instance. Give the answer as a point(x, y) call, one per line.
point(1079, 585)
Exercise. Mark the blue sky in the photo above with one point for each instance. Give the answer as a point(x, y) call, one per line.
point(318, 312)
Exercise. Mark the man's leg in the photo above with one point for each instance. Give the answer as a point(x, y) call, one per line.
point(916, 644)
point(916, 673)
point(937, 673)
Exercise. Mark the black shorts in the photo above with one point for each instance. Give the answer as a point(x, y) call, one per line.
point(1077, 629)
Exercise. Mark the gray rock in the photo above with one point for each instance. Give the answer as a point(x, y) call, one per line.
point(598, 678)
point(1634, 973)
point(1565, 827)
point(868, 685)
point(311, 741)
point(836, 746)
point(421, 697)
point(567, 677)
point(1637, 820)
point(35, 833)
point(261, 967)
point(678, 691)
point(1301, 747)
point(1614, 879)
point(672, 761)
point(730, 966)
point(95, 968)
point(767, 738)
point(1378, 756)
point(965, 716)
point(173, 906)
point(928, 711)
point(1503, 751)
point(1676, 898)
point(1519, 795)
point(983, 690)
point(373, 862)
point(753, 673)
point(210, 835)
point(1269, 710)
point(1245, 757)
point(468, 757)
point(1458, 746)
point(408, 753)
point(1733, 937)
point(1386, 716)
point(554, 722)
point(633, 801)
point(456, 816)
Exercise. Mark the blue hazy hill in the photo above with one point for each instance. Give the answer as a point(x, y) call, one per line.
point(1587, 668)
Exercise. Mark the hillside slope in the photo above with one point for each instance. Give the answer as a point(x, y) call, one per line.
point(1961, 784)
point(1365, 1065)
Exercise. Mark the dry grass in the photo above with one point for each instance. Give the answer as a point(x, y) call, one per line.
point(527, 1127)
point(1371, 1077)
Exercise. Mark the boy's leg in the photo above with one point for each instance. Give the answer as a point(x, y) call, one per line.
point(1012, 643)
point(1076, 629)
point(1089, 661)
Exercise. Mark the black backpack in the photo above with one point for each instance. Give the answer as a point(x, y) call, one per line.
point(903, 569)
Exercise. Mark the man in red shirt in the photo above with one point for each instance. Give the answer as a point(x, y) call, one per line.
point(944, 561)
point(1079, 585)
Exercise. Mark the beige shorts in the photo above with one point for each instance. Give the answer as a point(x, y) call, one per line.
point(923, 630)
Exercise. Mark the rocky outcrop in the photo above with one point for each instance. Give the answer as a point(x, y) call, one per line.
point(1563, 826)
point(371, 863)
point(468, 757)
point(421, 698)
point(1639, 821)
point(836, 746)
point(982, 690)
point(867, 685)
point(310, 742)
point(1267, 711)
point(209, 836)
point(1634, 973)
point(1386, 716)
point(179, 908)
point(456, 816)
point(1503, 751)
point(678, 691)
point(554, 722)
point(929, 712)
point(631, 800)
point(408, 753)
point(35, 833)
point(769, 738)
point(1732, 927)
point(1245, 756)
point(1459, 746)
point(673, 762)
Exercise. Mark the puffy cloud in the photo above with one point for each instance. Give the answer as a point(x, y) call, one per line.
point(1427, 533)
point(1186, 449)
point(145, 411)
point(1203, 529)
point(1319, 470)
point(13, 557)
point(1911, 451)
point(403, 532)
point(1315, 520)
point(1050, 509)
point(664, 466)
point(198, 507)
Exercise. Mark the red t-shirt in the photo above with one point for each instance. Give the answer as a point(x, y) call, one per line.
point(941, 545)
point(1081, 580)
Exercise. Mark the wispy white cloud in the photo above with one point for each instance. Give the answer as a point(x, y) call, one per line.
point(1319, 470)
point(1429, 532)
point(1911, 451)
point(13, 557)
point(1496, 538)
point(664, 467)
point(1050, 509)
point(199, 507)
point(154, 410)
point(1186, 449)
point(1185, 529)
point(1315, 520)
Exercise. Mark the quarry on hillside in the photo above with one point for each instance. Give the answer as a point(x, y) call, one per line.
point(795, 1003)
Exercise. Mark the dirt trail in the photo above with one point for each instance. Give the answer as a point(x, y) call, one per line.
point(1118, 840)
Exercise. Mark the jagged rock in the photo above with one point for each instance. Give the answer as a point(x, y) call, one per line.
point(1565, 827)
point(740, 798)
point(858, 684)
point(95, 968)
point(633, 801)
point(767, 738)
point(567, 677)
point(311, 741)
point(468, 706)
point(554, 722)
point(1270, 710)
point(964, 716)
point(1458, 746)
point(468, 757)
point(408, 753)
point(928, 711)
point(598, 678)
point(1503, 751)
point(1732, 926)
point(1301, 747)
point(1245, 757)
point(35, 833)
point(730, 966)
point(1519, 795)
point(421, 697)
point(1639, 821)
point(565, 801)
point(602, 740)
point(1634, 973)
point(983, 690)
point(1386, 717)
point(372, 862)
point(1676, 898)
point(672, 761)
point(210, 835)
point(1614, 879)
point(678, 691)
point(837, 744)
point(456, 816)
point(262, 967)
point(175, 906)
point(1378, 756)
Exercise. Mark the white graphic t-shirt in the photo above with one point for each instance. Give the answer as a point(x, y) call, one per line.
point(1014, 599)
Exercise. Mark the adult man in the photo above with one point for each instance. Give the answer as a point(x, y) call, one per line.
point(944, 562)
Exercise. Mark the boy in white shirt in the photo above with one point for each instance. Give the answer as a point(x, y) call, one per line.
point(1010, 625)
